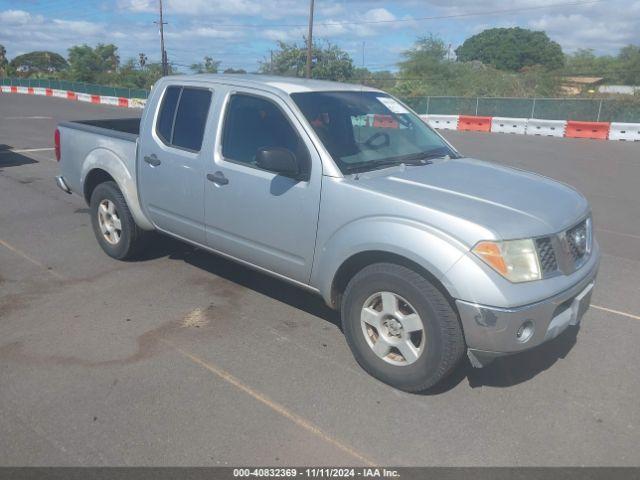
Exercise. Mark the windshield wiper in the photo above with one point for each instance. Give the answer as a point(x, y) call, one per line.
point(371, 165)
point(421, 158)
point(414, 159)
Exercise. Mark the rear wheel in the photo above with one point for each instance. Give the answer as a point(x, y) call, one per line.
point(400, 327)
point(113, 224)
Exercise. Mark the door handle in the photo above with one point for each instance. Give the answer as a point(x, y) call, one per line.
point(218, 178)
point(152, 160)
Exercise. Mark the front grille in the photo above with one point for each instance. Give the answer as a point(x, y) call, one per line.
point(577, 241)
point(546, 255)
point(565, 252)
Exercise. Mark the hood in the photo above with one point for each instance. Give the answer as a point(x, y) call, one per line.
point(509, 202)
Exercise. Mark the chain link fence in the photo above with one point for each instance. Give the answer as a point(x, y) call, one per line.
point(584, 109)
point(80, 87)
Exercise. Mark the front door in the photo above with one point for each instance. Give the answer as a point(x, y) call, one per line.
point(171, 162)
point(259, 216)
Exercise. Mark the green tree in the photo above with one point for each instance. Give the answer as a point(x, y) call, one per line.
point(427, 56)
point(109, 58)
point(3, 60)
point(208, 66)
point(384, 79)
point(629, 63)
point(623, 68)
point(427, 71)
point(584, 62)
point(131, 75)
point(235, 70)
point(512, 49)
point(88, 64)
point(328, 61)
point(38, 62)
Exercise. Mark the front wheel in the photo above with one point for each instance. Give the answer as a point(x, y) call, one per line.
point(114, 227)
point(400, 327)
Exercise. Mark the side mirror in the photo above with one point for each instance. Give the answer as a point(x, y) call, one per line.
point(278, 160)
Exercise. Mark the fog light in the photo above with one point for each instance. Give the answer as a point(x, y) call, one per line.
point(525, 332)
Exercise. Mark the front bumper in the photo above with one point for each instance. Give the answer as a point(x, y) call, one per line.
point(491, 331)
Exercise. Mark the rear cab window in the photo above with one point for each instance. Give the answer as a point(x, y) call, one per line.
point(183, 116)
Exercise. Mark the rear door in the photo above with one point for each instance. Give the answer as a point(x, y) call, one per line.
point(258, 216)
point(172, 157)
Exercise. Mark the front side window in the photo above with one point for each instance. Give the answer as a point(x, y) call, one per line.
point(183, 117)
point(253, 123)
point(368, 130)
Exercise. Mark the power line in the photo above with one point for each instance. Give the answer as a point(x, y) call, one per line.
point(410, 20)
point(403, 20)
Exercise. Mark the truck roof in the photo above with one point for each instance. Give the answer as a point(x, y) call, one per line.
point(275, 83)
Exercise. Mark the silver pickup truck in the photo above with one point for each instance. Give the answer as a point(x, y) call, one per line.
point(344, 191)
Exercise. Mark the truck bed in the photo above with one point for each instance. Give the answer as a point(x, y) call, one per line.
point(108, 144)
point(123, 128)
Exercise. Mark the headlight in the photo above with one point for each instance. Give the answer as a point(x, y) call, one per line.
point(516, 260)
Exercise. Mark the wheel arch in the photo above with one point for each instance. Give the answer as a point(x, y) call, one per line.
point(94, 178)
point(350, 248)
point(355, 263)
point(104, 165)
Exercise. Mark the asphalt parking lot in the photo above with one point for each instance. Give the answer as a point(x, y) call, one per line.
point(183, 358)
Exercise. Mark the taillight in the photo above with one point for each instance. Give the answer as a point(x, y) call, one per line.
point(56, 141)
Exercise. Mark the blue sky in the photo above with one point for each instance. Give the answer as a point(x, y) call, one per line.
point(241, 32)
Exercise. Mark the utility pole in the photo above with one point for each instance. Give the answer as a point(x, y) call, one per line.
point(364, 76)
point(163, 52)
point(310, 40)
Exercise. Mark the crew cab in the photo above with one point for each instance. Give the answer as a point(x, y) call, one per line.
point(344, 191)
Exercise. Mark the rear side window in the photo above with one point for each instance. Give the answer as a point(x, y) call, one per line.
point(167, 113)
point(183, 116)
point(191, 118)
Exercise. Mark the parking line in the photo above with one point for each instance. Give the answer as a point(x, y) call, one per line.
point(27, 150)
point(62, 277)
point(613, 232)
point(32, 260)
point(617, 312)
point(32, 117)
point(276, 407)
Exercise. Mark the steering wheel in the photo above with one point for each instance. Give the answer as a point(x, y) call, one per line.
point(373, 145)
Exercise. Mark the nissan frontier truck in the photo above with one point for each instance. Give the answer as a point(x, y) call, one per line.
point(344, 191)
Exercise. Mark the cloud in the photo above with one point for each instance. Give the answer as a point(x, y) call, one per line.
point(18, 17)
point(266, 9)
point(214, 27)
point(580, 31)
point(205, 32)
point(77, 27)
point(604, 26)
point(22, 32)
point(378, 15)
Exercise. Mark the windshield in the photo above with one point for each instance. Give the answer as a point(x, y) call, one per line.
point(369, 130)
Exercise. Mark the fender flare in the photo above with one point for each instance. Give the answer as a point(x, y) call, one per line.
point(431, 249)
point(104, 159)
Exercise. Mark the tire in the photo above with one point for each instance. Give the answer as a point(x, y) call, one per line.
point(124, 243)
point(439, 346)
